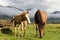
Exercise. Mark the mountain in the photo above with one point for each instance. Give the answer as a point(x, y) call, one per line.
point(56, 12)
point(8, 11)
point(3, 16)
point(54, 17)
point(28, 9)
point(15, 8)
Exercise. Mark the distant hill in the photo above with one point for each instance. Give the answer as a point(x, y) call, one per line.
point(50, 19)
point(53, 20)
point(3, 16)
point(56, 12)
point(55, 17)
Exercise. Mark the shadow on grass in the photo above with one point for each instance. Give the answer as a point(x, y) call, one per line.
point(7, 31)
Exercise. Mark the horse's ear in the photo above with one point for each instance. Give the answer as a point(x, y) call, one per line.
point(38, 10)
point(27, 11)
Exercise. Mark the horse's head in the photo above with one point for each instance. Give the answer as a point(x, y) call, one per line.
point(27, 16)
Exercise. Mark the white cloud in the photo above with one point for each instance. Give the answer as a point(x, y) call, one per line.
point(6, 3)
point(46, 5)
point(53, 5)
point(34, 3)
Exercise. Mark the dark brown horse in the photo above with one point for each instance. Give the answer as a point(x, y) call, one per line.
point(40, 21)
point(23, 19)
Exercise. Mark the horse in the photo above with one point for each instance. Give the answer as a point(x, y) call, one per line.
point(23, 20)
point(40, 21)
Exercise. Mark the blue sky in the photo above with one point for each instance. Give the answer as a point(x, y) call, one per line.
point(46, 5)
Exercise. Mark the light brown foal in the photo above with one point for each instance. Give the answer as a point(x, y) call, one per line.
point(22, 19)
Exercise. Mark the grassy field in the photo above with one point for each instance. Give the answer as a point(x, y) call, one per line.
point(52, 32)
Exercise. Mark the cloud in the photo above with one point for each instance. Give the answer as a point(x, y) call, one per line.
point(9, 11)
point(53, 5)
point(6, 3)
point(33, 3)
point(46, 5)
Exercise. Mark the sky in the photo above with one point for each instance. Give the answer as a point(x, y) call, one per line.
point(46, 5)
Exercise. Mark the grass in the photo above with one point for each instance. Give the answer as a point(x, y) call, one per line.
point(52, 32)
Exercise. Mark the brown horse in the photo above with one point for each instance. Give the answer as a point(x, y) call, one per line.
point(40, 21)
point(22, 19)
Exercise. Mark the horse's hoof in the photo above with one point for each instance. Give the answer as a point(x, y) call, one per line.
point(41, 37)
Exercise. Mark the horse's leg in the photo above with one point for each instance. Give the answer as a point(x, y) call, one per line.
point(14, 29)
point(22, 26)
point(25, 24)
point(36, 30)
point(44, 28)
point(19, 31)
point(41, 30)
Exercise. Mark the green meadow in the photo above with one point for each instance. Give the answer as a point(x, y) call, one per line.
point(52, 32)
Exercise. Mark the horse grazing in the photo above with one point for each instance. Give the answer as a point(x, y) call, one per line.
point(40, 21)
point(23, 19)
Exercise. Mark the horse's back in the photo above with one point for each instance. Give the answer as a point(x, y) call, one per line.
point(40, 16)
point(44, 16)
